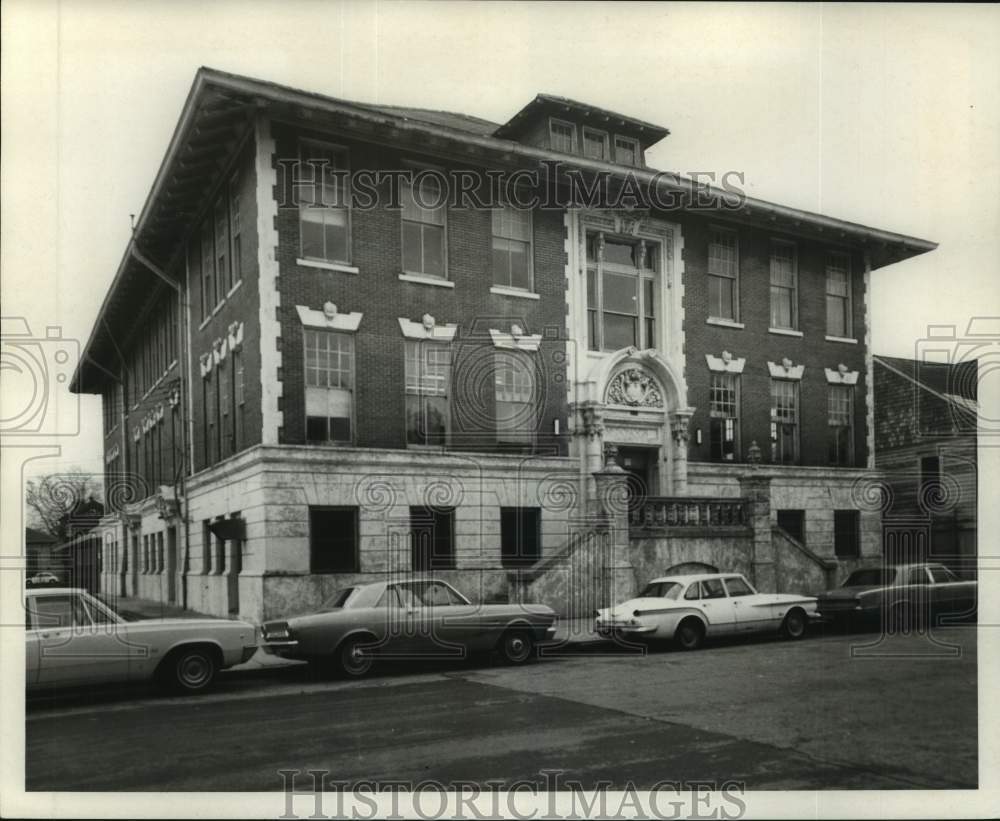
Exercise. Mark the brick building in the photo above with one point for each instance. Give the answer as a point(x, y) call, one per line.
point(317, 368)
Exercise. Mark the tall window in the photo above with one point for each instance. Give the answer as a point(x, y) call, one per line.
point(723, 274)
point(424, 227)
point(235, 230)
point(208, 417)
point(846, 534)
point(207, 269)
point(512, 247)
point(784, 421)
point(840, 414)
point(621, 293)
point(562, 136)
point(329, 362)
point(626, 151)
point(784, 286)
point(223, 273)
point(239, 401)
point(333, 540)
point(324, 212)
point(724, 417)
point(520, 536)
point(595, 144)
point(432, 535)
point(225, 406)
point(428, 386)
point(517, 406)
point(838, 295)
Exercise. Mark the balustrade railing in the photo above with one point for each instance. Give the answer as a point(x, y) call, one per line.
point(665, 512)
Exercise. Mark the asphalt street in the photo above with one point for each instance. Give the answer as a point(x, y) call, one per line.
point(827, 712)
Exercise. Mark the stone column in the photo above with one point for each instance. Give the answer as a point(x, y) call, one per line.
point(591, 428)
point(756, 488)
point(612, 505)
point(679, 434)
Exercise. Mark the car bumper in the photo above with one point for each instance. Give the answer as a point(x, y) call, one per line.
point(608, 631)
point(280, 648)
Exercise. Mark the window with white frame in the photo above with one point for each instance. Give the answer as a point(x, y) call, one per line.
point(223, 272)
point(324, 203)
point(562, 136)
point(423, 226)
point(724, 417)
point(595, 144)
point(428, 388)
point(239, 401)
point(840, 420)
point(235, 229)
point(784, 421)
point(784, 285)
point(512, 263)
point(626, 151)
point(723, 274)
point(207, 269)
point(329, 371)
point(516, 395)
point(621, 292)
point(838, 295)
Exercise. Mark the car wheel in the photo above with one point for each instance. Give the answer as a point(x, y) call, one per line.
point(690, 634)
point(794, 625)
point(191, 670)
point(516, 646)
point(355, 657)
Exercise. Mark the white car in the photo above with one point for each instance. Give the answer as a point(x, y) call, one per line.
point(688, 609)
point(75, 639)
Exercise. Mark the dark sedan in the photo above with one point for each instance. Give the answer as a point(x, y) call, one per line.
point(900, 597)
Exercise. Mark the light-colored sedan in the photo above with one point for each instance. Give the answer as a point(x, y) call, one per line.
point(412, 619)
point(75, 639)
point(689, 609)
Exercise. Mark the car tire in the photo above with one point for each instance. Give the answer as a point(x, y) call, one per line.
point(795, 624)
point(690, 634)
point(190, 670)
point(354, 660)
point(516, 646)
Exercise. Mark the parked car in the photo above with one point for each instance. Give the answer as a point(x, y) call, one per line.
point(689, 609)
point(416, 618)
point(42, 578)
point(75, 639)
point(899, 596)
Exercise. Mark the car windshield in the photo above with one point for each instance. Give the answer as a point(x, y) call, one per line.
point(871, 577)
point(662, 590)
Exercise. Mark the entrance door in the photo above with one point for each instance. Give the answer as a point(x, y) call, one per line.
point(640, 465)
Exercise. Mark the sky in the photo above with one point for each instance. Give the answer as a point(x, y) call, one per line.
point(887, 115)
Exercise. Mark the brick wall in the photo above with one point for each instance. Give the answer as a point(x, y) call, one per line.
point(758, 346)
point(383, 298)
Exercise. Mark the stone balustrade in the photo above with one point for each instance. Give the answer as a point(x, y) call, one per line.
point(661, 513)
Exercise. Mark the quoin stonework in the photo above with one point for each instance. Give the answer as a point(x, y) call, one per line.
point(313, 377)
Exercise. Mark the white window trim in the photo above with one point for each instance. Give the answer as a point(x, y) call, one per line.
point(353, 390)
point(417, 330)
point(834, 376)
point(843, 339)
point(503, 290)
point(326, 266)
point(601, 267)
point(721, 320)
point(521, 342)
point(605, 137)
point(317, 320)
point(792, 373)
point(850, 288)
point(572, 125)
point(794, 329)
point(531, 253)
point(332, 147)
point(635, 149)
point(722, 364)
point(424, 279)
point(785, 332)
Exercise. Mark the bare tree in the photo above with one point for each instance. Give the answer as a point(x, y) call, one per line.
point(63, 504)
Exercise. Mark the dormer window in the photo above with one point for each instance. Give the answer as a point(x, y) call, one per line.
point(562, 136)
point(626, 151)
point(595, 144)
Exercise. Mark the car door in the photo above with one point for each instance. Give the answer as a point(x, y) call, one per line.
point(73, 648)
point(720, 610)
point(949, 595)
point(749, 618)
